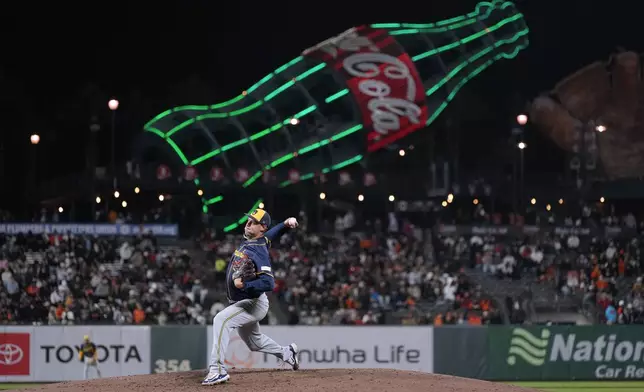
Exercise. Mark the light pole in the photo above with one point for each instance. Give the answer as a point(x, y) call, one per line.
point(113, 104)
point(94, 128)
point(34, 139)
point(522, 146)
point(522, 120)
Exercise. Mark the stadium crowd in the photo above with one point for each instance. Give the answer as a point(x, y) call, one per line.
point(385, 272)
point(321, 278)
point(69, 279)
point(594, 255)
point(342, 277)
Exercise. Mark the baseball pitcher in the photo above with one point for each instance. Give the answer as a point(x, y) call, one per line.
point(89, 356)
point(249, 276)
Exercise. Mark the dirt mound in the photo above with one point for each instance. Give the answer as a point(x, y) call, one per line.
point(358, 380)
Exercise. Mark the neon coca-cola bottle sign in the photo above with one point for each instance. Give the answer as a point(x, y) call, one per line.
point(386, 110)
point(384, 85)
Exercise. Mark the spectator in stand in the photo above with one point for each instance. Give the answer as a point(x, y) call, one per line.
point(69, 279)
point(611, 314)
point(340, 278)
point(592, 267)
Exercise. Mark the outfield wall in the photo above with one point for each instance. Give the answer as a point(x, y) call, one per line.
point(50, 353)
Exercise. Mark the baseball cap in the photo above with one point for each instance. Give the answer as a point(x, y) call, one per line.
point(86, 337)
point(260, 216)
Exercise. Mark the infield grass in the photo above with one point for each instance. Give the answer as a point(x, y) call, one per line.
point(4, 387)
point(584, 386)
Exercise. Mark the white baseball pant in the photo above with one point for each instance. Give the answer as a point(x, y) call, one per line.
point(88, 364)
point(244, 316)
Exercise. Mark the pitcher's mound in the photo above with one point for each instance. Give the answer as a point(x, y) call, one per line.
point(335, 380)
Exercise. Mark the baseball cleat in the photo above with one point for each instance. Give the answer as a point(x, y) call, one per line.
point(214, 378)
point(294, 360)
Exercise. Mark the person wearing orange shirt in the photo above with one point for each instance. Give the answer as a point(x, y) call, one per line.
point(474, 319)
point(139, 315)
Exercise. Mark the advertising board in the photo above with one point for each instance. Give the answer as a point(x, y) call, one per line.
point(100, 229)
point(51, 353)
point(330, 347)
point(16, 362)
point(598, 352)
point(177, 348)
point(528, 230)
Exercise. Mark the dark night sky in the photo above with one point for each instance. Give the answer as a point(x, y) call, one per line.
point(59, 63)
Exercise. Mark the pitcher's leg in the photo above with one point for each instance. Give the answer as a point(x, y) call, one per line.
point(86, 370)
point(224, 322)
point(252, 335)
point(222, 325)
point(257, 341)
point(98, 371)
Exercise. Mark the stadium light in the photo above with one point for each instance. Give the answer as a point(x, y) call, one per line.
point(522, 119)
point(391, 198)
point(98, 200)
point(116, 194)
point(113, 104)
point(34, 139)
point(322, 196)
point(360, 197)
point(161, 198)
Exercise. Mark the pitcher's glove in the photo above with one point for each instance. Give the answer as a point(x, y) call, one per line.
point(245, 270)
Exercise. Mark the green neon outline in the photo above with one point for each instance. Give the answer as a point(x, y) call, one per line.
point(307, 176)
point(449, 25)
point(442, 107)
point(332, 97)
point(312, 147)
point(241, 220)
point(445, 22)
point(326, 170)
point(460, 85)
point(228, 102)
point(429, 92)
